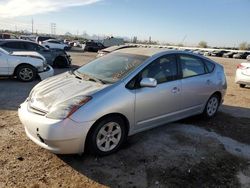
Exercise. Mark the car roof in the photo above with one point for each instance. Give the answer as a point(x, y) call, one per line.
point(143, 51)
point(14, 40)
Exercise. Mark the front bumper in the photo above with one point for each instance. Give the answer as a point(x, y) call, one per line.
point(47, 73)
point(58, 136)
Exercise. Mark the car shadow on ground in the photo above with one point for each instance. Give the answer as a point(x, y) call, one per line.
point(14, 92)
point(163, 156)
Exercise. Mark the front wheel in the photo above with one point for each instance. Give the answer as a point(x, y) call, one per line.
point(26, 73)
point(107, 136)
point(211, 106)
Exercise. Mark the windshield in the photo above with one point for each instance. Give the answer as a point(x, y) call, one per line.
point(3, 51)
point(112, 67)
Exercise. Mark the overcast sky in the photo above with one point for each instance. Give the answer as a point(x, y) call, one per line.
point(219, 22)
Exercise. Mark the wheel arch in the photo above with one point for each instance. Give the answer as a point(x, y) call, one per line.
point(59, 57)
point(27, 64)
point(219, 94)
point(123, 117)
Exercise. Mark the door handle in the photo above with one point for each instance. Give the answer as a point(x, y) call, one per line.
point(208, 82)
point(175, 90)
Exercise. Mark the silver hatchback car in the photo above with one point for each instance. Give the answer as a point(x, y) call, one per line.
point(125, 92)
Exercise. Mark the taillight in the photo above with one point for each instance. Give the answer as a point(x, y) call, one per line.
point(240, 66)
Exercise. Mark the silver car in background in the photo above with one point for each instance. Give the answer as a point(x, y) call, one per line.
point(122, 93)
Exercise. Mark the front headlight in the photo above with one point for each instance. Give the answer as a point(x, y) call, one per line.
point(68, 107)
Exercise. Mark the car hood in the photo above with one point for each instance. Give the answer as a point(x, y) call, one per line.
point(60, 89)
point(28, 54)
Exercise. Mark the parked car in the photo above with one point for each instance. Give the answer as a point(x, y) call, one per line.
point(55, 44)
point(92, 46)
point(26, 66)
point(7, 36)
point(218, 53)
point(208, 53)
point(229, 54)
point(54, 57)
point(112, 41)
point(40, 39)
point(122, 93)
point(199, 52)
point(243, 74)
point(106, 51)
point(241, 55)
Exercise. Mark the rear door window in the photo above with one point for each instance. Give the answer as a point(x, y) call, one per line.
point(30, 46)
point(191, 66)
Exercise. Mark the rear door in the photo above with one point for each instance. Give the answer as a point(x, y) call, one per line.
point(197, 83)
point(157, 105)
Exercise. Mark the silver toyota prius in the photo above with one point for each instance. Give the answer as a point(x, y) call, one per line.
point(99, 105)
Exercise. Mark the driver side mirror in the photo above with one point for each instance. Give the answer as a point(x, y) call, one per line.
point(148, 82)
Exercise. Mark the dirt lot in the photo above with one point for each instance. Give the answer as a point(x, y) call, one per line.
point(189, 153)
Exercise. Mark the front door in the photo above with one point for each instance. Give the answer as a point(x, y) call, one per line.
point(4, 66)
point(157, 105)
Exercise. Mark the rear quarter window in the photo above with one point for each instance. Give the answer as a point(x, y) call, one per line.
point(210, 66)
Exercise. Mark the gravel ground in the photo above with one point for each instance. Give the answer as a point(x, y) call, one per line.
point(188, 153)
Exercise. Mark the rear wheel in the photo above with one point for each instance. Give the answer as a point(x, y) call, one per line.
point(107, 136)
point(212, 106)
point(242, 85)
point(26, 73)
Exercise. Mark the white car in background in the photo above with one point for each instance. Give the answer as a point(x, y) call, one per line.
point(26, 66)
point(55, 44)
point(243, 74)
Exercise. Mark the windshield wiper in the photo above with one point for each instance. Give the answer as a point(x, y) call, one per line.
point(88, 77)
point(91, 78)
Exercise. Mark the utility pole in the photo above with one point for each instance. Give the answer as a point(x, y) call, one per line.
point(53, 28)
point(32, 25)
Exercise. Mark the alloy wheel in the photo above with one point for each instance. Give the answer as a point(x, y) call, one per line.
point(109, 136)
point(212, 106)
point(26, 74)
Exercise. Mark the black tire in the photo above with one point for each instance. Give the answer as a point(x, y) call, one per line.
point(212, 106)
point(60, 62)
point(95, 134)
point(26, 73)
point(242, 85)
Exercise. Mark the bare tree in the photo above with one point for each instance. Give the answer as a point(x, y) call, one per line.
point(244, 46)
point(202, 44)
